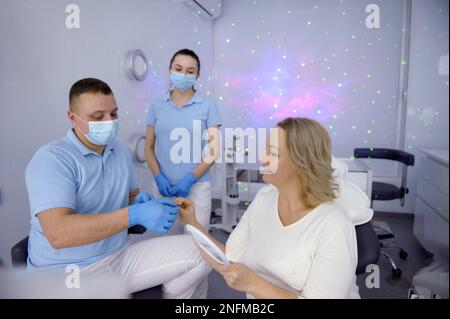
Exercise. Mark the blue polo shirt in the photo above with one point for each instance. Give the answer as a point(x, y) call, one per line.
point(179, 131)
point(65, 173)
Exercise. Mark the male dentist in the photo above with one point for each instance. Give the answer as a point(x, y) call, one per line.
point(81, 190)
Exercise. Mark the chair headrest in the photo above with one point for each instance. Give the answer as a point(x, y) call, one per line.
point(340, 169)
point(352, 199)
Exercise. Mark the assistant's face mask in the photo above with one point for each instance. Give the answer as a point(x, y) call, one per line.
point(182, 81)
point(101, 132)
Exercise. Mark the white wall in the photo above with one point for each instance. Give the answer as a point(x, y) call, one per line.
point(40, 59)
point(428, 93)
point(427, 124)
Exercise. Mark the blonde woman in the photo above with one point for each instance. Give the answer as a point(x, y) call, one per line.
point(293, 241)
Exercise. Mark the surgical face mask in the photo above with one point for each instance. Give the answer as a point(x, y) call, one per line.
point(101, 132)
point(182, 81)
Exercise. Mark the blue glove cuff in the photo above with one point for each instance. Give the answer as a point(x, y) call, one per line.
point(192, 179)
point(132, 215)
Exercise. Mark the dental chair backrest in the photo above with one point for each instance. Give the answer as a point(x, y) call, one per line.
point(352, 199)
point(357, 205)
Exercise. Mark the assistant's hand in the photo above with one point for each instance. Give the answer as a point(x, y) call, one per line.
point(239, 276)
point(187, 211)
point(183, 188)
point(163, 184)
point(157, 215)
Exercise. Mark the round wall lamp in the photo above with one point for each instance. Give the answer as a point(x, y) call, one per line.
point(137, 65)
point(136, 143)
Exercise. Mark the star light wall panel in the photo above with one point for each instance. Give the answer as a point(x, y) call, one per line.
point(329, 60)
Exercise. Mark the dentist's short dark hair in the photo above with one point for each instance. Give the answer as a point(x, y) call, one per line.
point(88, 85)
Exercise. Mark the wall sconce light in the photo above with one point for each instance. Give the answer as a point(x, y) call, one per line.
point(136, 144)
point(137, 65)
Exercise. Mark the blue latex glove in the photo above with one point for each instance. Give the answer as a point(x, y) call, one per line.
point(143, 197)
point(157, 215)
point(163, 184)
point(183, 188)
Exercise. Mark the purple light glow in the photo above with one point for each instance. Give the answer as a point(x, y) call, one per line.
point(286, 85)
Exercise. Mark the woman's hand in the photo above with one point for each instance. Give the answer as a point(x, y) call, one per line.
point(240, 277)
point(187, 210)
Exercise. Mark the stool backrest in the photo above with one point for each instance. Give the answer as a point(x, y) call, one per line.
point(385, 153)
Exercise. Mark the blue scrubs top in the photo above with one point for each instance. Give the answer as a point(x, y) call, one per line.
point(179, 144)
point(65, 173)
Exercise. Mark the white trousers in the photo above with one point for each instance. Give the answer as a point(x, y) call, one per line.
point(173, 261)
point(201, 196)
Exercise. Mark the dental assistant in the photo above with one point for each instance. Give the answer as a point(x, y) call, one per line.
point(183, 108)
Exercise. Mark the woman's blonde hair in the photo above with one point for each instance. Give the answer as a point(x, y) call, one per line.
point(309, 147)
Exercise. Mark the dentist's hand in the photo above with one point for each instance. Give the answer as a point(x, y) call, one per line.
point(143, 197)
point(183, 188)
point(163, 184)
point(157, 215)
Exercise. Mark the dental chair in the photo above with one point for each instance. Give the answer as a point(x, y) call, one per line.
point(368, 247)
point(19, 256)
point(357, 206)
